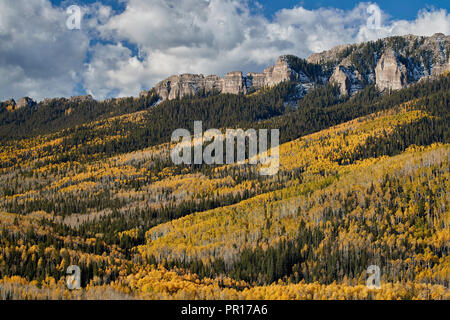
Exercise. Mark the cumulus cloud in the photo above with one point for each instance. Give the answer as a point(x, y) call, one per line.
point(189, 37)
point(427, 23)
point(114, 71)
point(217, 36)
point(39, 56)
point(153, 39)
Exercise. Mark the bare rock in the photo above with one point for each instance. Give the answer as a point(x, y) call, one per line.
point(278, 73)
point(349, 81)
point(329, 55)
point(439, 46)
point(256, 80)
point(213, 84)
point(390, 73)
point(415, 58)
point(234, 83)
point(25, 102)
point(185, 85)
point(179, 86)
point(340, 78)
point(142, 94)
point(84, 98)
point(163, 88)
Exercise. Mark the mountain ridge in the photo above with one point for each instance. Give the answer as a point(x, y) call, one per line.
point(352, 67)
point(390, 70)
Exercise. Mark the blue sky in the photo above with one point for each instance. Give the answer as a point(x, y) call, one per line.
point(125, 46)
point(399, 9)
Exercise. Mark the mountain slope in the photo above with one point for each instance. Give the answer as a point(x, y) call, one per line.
point(363, 180)
point(359, 193)
point(388, 64)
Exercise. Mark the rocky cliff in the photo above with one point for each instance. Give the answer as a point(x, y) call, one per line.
point(25, 102)
point(350, 81)
point(390, 63)
point(235, 82)
point(390, 73)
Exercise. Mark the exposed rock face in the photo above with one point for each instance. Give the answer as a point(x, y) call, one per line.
point(213, 83)
point(416, 58)
point(186, 84)
point(439, 46)
point(256, 80)
point(340, 77)
point(25, 102)
point(163, 88)
point(329, 55)
point(440, 69)
point(349, 81)
point(81, 98)
point(235, 82)
point(352, 67)
point(390, 73)
point(278, 73)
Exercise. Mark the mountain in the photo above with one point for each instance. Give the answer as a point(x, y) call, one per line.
point(388, 64)
point(363, 180)
point(234, 82)
point(391, 63)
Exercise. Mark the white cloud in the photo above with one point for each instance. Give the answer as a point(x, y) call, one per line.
point(427, 23)
point(218, 36)
point(114, 71)
point(186, 36)
point(39, 56)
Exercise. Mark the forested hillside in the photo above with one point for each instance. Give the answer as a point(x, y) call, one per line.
point(363, 180)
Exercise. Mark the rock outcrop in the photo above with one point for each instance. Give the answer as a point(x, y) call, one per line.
point(84, 98)
point(186, 84)
point(352, 67)
point(25, 102)
point(278, 73)
point(334, 54)
point(179, 86)
point(440, 69)
point(10, 102)
point(256, 80)
point(213, 83)
point(439, 47)
point(341, 78)
point(390, 73)
point(234, 82)
point(349, 81)
point(390, 63)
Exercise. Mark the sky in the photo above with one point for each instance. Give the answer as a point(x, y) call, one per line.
point(399, 9)
point(125, 46)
